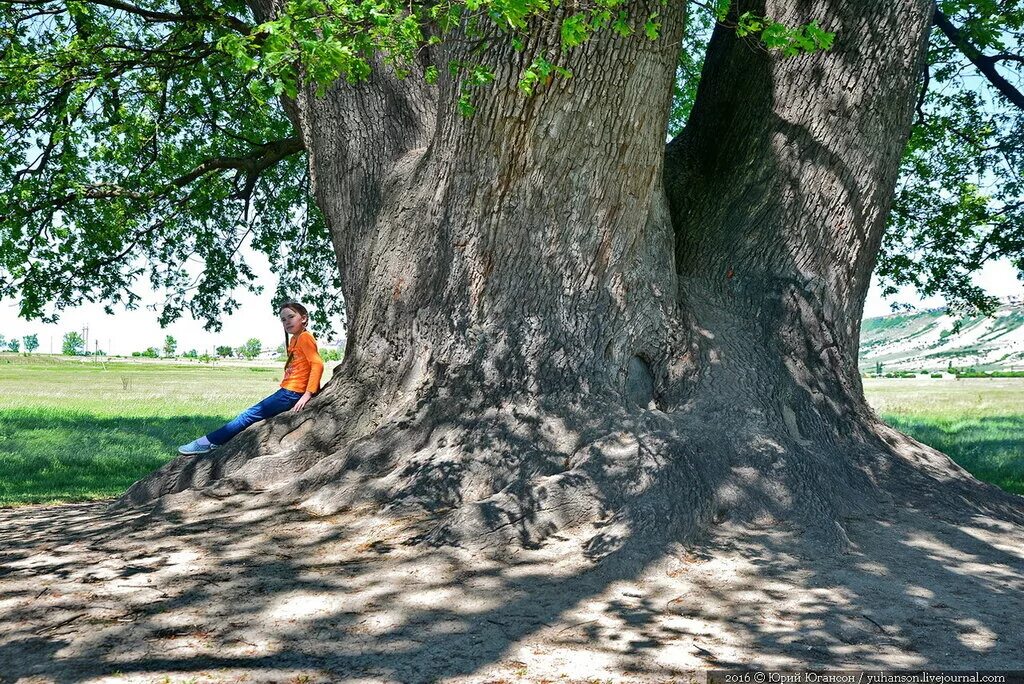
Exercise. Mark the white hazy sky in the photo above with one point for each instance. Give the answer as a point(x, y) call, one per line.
point(128, 331)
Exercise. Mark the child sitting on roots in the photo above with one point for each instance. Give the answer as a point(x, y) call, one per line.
point(301, 381)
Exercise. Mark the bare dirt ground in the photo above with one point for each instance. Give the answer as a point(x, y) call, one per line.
point(236, 590)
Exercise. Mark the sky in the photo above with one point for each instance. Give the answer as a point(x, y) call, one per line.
point(998, 278)
point(128, 331)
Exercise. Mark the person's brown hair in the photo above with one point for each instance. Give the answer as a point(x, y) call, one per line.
point(299, 309)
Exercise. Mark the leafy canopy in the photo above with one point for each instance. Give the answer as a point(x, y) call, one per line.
point(153, 140)
point(330, 40)
point(133, 149)
point(960, 200)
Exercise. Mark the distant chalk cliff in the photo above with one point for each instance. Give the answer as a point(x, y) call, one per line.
point(926, 341)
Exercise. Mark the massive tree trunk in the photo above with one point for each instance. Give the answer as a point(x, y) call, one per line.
point(558, 324)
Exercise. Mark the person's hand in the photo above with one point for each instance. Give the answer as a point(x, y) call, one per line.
point(303, 400)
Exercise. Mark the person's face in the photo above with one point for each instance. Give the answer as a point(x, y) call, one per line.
point(292, 321)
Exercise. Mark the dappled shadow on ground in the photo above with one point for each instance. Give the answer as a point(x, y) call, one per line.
point(240, 588)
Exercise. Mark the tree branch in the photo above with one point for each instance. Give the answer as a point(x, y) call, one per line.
point(986, 64)
point(1007, 58)
point(148, 14)
point(227, 20)
point(252, 165)
point(921, 96)
point(271, 153)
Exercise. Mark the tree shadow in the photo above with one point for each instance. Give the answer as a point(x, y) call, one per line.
point(47, 455)
point(245, 582)
point(244, 585)
point(990, 447)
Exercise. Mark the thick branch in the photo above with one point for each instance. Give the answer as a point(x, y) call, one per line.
point(986, 64)
point(919, 107)
point(252, 165)
point(227, 20)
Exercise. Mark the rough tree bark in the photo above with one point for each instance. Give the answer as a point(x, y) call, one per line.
point(559, 324)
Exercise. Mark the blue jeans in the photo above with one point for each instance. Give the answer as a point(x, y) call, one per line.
point(278, 402)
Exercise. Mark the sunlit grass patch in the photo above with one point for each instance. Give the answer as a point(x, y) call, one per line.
point(49, 454)
point(979, 423)
point(58, 455)
point(72, 431)
point(990, 448)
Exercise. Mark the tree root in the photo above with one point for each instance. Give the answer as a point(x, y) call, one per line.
point(513, 476)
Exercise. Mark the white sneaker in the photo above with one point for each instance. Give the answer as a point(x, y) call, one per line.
point(194, 447)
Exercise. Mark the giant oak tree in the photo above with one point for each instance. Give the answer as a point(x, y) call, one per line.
point(557, 322)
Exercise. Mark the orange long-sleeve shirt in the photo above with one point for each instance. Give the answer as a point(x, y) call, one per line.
point(302, 374)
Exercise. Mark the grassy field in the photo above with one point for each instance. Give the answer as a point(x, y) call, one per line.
point(979, 422)
point(74, 430)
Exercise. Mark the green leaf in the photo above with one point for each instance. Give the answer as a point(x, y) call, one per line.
point(575, 30)
point(465, 104)
point(652, 28)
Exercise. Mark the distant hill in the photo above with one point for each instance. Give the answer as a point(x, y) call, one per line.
point(924, 340)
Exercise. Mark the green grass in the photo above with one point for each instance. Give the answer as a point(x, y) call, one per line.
point(73, 431)
point(49, 454)
point(871, 325)
point(978, 422)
